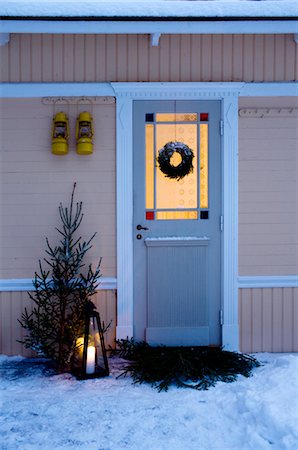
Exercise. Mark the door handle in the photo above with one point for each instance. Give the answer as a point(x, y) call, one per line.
point(139, 227)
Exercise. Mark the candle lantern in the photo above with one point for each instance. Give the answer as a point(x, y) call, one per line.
point(84, 134)
point(60, 134)
point(90, 358)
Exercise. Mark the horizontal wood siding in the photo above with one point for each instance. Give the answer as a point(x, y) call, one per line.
point(268, 320)
point(12, 304)
point(90, 58)
point(268, 189)
point(33, 182)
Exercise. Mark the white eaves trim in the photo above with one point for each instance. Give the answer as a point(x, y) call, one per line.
point(289, 281)
point(31, 90)
point(26, 284)
point(150, 27)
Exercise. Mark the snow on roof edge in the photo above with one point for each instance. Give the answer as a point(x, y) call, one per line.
point(153, 9)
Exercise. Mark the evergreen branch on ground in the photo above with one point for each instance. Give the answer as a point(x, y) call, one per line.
point(192, 367)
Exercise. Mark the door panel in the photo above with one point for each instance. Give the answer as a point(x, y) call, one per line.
point(177, 249)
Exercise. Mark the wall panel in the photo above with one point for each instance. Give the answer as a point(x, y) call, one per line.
point(268, 187)
point(90, 58)
point(12, 304)
point(268, 319)
point(33, 182)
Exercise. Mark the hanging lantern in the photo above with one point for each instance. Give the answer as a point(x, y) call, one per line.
point(84, 134)
point(60, 134)
point(90, 358)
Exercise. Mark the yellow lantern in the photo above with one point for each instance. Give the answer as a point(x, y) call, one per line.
point(60, 134)
point(84, 134)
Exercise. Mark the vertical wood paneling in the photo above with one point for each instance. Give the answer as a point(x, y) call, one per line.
point(122, 58)
point(58, 52)
point(248, 52)
point(238, 58)
point(164, 58)
point(36, 58)
point(143, 58)
point(267, 323)
point(268, 319)
point(111, 58)
point(80, 55)
point(93, 58)
point(14, 58)
point(195, 57)
point(259, 74)
point(185, 58)
point(90, 59)
point(132, 58)
point(68, 59)
point(100, 58)
point(13, 304)
point(217, 54)
point(47, 58)
point(206, 58)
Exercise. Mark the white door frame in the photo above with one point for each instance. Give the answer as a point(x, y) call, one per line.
point(228, 93)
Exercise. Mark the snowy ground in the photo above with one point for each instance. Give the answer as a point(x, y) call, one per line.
point(40, 410)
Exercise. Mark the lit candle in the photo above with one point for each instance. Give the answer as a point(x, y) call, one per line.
point(90, 366)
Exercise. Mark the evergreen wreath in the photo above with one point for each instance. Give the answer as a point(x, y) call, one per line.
point(164, 160)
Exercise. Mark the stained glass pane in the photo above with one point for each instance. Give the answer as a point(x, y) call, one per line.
point(150, 162)
point(204, 166)
point(176, 215)
point(174, 117)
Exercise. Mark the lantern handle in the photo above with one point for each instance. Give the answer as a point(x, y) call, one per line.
point(83, 101)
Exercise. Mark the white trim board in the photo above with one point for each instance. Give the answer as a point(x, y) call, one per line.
point(149, 27)
point(25, 284)
point(268, 282)
point(30, 90)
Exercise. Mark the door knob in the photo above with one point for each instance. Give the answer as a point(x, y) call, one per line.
point(139, 227)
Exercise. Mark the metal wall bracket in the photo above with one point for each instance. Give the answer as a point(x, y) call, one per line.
point(4, 38)
point(154, 39)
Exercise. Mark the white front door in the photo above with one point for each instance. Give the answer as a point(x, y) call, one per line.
point(176, 222)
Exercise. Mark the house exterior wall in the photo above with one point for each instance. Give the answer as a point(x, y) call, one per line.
point(33, 182)
point(268, 183)
point(98, 58)
point(12, 305)
point(268, 319)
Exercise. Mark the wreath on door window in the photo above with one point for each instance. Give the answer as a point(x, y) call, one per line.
point(164, 160)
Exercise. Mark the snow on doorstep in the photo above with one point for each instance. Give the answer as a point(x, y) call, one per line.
point(152, 8)
point(54, 412)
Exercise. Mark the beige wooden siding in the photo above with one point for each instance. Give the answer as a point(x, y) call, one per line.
point(89, 58)
point(12, 305)
point(268, 188)
point(268, 320)
point(33, 182)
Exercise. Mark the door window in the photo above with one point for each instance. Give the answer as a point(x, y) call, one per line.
point(176, 146)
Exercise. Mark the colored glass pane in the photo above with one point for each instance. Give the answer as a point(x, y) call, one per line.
point(204, 166)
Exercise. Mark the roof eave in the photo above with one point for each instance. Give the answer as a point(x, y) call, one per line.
point(219, 26)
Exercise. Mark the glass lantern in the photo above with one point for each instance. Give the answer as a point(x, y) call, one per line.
point(90, 358)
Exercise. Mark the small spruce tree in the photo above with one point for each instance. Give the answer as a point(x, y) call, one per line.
point(61, 291)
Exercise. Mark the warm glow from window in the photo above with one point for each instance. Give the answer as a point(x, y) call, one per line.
point(203, 165)
point(150, 163)
point(174, 117)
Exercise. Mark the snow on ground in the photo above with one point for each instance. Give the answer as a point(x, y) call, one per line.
point(40, 410)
